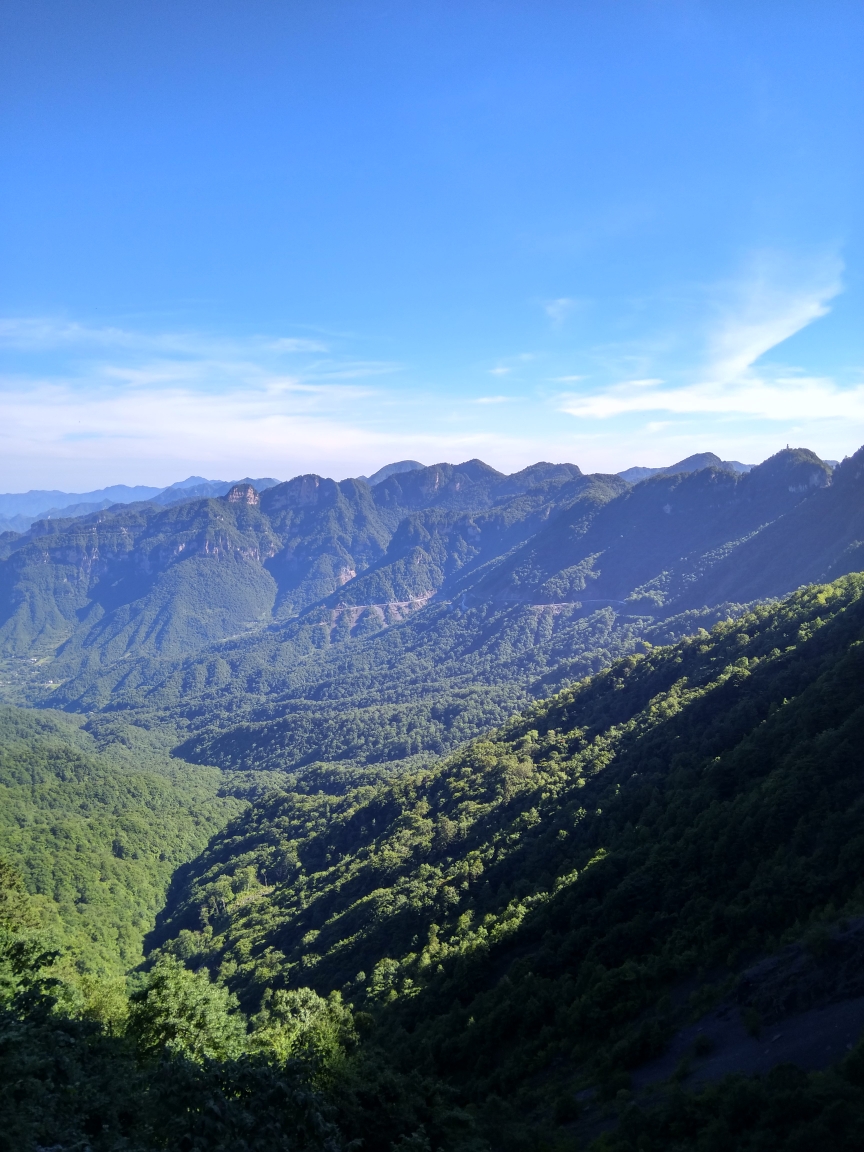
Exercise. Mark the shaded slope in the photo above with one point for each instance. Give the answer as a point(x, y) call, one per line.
point(819, 538)
point(661, 536)
point(441, 549)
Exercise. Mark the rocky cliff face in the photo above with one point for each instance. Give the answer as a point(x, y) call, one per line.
point(243, 494)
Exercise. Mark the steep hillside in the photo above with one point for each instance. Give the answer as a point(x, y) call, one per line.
point(539, 912)
point(137, 580)
point(819, 538)
point(98, 835)
point(663, 537)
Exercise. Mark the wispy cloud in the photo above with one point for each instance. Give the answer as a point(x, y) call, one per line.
point(351, 370)
point(53, 434)
point(492, 399)
point(47, 333)
point(83, 405)
point(782, 399)
point(558, 310)
point(111, 397)
point(771, 302)
point(775, 298)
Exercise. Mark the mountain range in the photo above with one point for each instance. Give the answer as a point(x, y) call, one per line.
point(350, 624)
point(18, 510)
point(440, 809)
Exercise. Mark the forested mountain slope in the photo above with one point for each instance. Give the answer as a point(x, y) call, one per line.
point(518, 918)
point(662, 537)
point(356, 625)
point(97, 835)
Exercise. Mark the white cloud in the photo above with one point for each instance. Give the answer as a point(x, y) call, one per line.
point(174, 426)
point(774, 299)
point(107, 404)
point(558, 310)
point(293, 344)
point(783, 399)
point(46, 332)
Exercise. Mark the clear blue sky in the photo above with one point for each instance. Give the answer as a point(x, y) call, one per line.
point(261, 237)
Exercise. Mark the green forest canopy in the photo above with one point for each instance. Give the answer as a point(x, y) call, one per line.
point(535, 898)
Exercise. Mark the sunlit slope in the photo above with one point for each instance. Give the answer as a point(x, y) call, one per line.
point(98, 836)
point(153, 582)
point(142, 580)
point(536, 896)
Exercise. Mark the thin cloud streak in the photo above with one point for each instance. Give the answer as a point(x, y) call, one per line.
point(783, 399)
point(47, 333)
point(770, 304)
point(765, 308)
point(161, 434)
point(558, 310)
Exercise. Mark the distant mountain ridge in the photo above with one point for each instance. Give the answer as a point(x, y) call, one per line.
point(18, 510)
point(336, 622)
point(690, 464)
point(391, 470)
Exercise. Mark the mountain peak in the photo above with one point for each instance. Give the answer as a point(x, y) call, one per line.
point(694, 463)
point(391, 470)
point(242, 494)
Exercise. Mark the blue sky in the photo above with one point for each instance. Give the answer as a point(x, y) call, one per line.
point(267, 237)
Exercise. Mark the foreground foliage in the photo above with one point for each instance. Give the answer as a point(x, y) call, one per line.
point(786, 1111)
point(184, 1069)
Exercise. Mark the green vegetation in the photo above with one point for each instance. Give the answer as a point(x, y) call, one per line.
point(97, 835)
point(182, 1068)
point(516, 918)
point(787, 1111)
point(247, 904)
point(505, 929)
point(338, 624)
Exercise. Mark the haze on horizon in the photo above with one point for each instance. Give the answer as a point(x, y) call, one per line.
point(322, 237)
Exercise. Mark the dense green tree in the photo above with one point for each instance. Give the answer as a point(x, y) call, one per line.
point(406, 951)
point(181, 1013)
